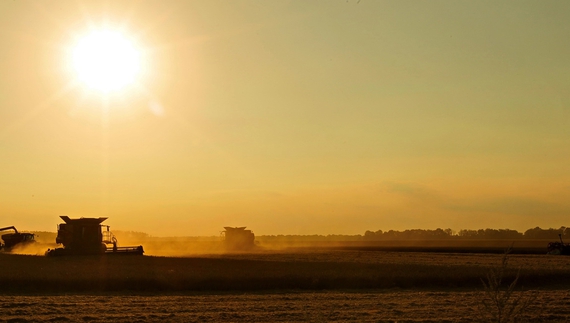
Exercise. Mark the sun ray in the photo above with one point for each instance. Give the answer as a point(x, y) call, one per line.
point(39, 108)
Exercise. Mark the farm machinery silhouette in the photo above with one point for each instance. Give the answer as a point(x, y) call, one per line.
point(238, 238)
point(16, 238)
point(558, 248)
point(87, 236)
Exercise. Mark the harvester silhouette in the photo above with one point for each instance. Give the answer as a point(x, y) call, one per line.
point(13, 239)
point(558, 248)
point(238, 238)
point(87, 236)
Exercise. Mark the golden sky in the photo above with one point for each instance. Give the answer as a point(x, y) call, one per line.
point(288, 117)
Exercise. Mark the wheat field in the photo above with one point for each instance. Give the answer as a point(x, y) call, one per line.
point(314, 306)
point(291, 285)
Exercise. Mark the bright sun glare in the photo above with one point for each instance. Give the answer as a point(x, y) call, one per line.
point(106, 61)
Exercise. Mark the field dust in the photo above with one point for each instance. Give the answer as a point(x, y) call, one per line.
point(34, 249)
point(207, 245)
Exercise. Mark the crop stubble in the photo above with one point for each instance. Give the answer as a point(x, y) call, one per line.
point(324, 306)
point(320, 285)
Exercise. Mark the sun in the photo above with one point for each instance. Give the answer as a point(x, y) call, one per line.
point(106, 60)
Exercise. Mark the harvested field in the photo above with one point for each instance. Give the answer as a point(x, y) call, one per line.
point(320, 284)
point(307, 270)
point(329, 306)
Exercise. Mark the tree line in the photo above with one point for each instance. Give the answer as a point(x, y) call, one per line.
point(482, 234)
point(420, 234)
point(414, 234)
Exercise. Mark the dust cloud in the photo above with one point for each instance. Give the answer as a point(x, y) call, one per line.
point(34, 248)
point(201, 246)
point(177, 246)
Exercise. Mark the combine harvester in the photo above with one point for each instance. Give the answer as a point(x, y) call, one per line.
point(16, 238)
point(87, 236)
point(558, 248)
point(238, 238)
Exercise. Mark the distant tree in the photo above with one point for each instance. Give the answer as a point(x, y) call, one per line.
point(441, 234)
point(490, 234)
point(468, 234)
point(538, 233)
point(369, 235)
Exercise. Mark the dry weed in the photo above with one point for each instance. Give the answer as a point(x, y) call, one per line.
point(501, 302)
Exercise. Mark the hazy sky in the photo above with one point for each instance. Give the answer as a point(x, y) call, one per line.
point(290, 117)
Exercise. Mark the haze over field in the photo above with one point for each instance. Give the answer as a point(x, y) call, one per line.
point(178, 118)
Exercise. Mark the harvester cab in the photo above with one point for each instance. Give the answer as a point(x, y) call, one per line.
point(87, 236)
point(15, 238)
point(238, 238)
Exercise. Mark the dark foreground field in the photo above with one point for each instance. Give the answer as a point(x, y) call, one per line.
point(262, 271)
point(314, 306)
point(289, 285)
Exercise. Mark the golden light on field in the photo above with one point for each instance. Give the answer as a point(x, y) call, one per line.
point(106, 60)
point(178, 118)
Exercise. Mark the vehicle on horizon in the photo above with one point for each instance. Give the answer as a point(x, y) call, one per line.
point(238, 238)
point(558, 248)
point(87, 236)
point(11, 240)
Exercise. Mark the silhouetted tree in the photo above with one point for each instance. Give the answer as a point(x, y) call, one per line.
point(538, 233)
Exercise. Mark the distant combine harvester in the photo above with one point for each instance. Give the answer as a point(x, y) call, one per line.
point(558, 248)
point(238, 238)
point(87, 236)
